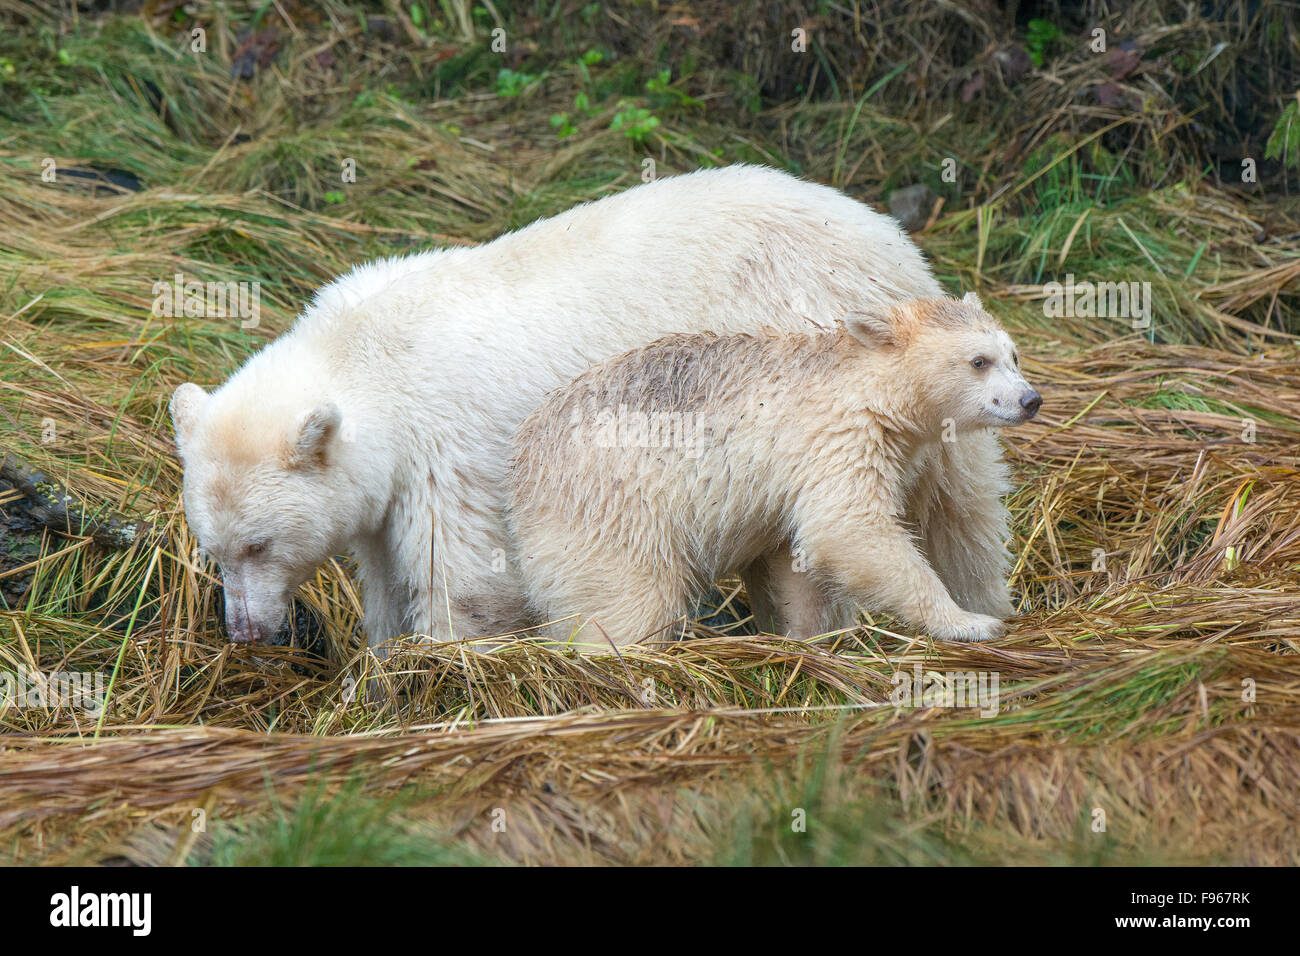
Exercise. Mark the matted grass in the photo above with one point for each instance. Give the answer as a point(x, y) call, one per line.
point(1151, 680)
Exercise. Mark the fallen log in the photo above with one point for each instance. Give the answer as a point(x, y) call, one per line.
point(52, 505)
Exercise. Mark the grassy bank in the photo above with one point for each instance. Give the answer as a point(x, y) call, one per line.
point(1149, 694)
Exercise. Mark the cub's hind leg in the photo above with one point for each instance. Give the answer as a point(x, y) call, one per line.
point(604, 599)
point(787, 599)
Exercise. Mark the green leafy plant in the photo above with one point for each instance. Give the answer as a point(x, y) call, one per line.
point(636, 122)
point(588, 60)
point(1284, 142)
point(511, 84)
point(562, 125)
point(1042, 36)
point(417, 17)
point(659, 86)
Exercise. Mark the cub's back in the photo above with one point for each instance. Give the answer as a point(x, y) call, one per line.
point(694, 442)
point(722, 383)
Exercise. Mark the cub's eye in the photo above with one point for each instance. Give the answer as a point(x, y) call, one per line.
point(256, 548)
point(980, 362)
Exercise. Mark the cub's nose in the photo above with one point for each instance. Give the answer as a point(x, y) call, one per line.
point(1030, 401)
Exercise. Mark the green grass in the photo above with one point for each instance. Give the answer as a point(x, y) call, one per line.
point(344, 828)
point(821, 815)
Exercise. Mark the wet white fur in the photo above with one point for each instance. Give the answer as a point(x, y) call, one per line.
point(401, 384)
point(809, 441)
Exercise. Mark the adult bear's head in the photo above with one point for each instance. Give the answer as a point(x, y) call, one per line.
point(266, 492)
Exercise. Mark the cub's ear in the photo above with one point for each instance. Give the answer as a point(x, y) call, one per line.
point(187, 401)
point(316, 430)
point(970, 298)
point(872, 329)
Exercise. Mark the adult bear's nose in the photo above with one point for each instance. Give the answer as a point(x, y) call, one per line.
point(1030, 401)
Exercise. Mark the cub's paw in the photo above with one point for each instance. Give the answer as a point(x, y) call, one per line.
point(971, 628)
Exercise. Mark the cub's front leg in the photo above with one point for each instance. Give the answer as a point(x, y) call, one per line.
point(875, 560)
point(958, 509)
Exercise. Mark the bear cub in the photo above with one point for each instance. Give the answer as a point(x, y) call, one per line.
point(658, 471)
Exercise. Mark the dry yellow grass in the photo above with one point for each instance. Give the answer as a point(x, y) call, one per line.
point(1153, 673)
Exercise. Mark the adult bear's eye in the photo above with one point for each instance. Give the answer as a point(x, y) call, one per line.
point(980, 362)
point(256, 548)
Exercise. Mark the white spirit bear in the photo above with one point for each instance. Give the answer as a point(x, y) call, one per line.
point(380, 424)
point(748, 444)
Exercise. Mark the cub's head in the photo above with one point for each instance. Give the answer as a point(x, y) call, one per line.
point(261, 496)
point(958, 359)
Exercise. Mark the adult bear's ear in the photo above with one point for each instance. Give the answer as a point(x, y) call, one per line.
point(187, 401)
point(316, 430)
point(970, 298)
point(872, 329)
